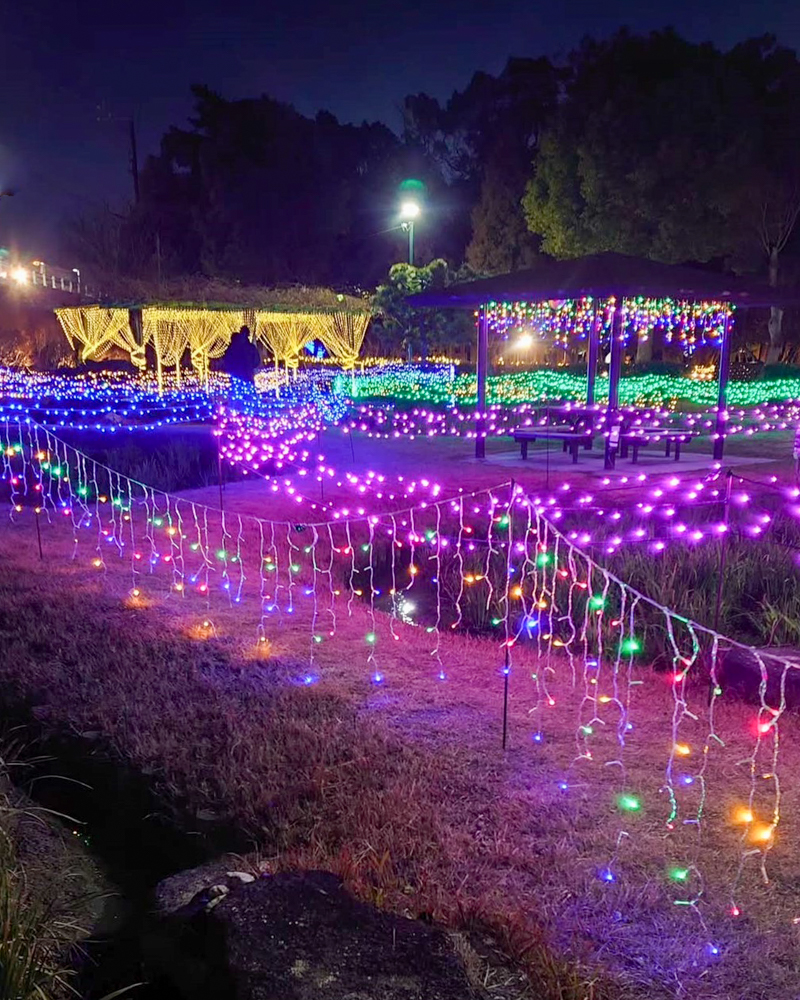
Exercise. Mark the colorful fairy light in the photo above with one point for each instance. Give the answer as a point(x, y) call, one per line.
point(546, 598)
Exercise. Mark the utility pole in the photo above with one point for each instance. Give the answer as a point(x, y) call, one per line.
point(134, 160)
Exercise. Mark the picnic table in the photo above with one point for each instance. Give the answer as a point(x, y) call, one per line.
point(570, 438)
point(643, 437)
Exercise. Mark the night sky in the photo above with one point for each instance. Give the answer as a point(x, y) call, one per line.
point(65, 65)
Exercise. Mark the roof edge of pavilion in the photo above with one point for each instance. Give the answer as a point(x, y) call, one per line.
point(601, 275)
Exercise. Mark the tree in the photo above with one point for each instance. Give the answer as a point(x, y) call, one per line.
point(257, 192)
point(767, 204)
point(420, 329)
point(501, 241)
point(674, 151)
point(484, 140)
point(632, 161)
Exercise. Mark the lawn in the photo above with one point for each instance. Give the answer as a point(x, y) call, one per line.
point(403, 786)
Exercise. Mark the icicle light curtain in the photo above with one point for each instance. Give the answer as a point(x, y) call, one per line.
point(343, 333)
point(95, 330)
point(286, 334)
point(206, 333)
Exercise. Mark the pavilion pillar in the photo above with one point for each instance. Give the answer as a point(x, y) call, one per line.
point(592, 355)
point(722, 391)
point(483, 365)
point(614, 371)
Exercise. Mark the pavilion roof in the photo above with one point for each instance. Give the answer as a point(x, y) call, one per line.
point(601, 275)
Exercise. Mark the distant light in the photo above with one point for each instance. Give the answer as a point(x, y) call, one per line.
point(524, 341)
point(409, 210)
point(20, 275)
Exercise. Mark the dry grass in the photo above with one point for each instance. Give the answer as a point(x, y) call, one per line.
point(403, 788)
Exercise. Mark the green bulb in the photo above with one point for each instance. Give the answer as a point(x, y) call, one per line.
point(597, 601)
point(629, 803)
point(371, 637)
point(679, 874)
point(222, 554)
point(631, 646)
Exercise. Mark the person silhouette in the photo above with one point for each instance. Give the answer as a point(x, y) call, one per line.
point(241, 358)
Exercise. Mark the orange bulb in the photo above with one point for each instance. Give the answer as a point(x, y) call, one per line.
point(762, 833)
point(683, 749)
point(742, 815)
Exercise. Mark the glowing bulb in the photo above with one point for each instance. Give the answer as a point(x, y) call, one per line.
point(409, 210)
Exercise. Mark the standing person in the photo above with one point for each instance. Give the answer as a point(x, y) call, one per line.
point(242, 358)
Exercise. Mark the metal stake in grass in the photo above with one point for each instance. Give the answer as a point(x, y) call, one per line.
point(507, 658)
point(723, 548)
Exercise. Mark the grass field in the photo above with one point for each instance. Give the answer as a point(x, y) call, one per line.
point(404, 788)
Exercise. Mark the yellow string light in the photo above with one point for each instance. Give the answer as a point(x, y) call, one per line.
point(97, 329)
point(343, 333)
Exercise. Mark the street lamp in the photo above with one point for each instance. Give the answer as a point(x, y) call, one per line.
point(409, 210)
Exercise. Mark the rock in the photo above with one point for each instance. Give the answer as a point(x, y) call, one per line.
point(739, 672)
point(179, 891)
point(302, 936)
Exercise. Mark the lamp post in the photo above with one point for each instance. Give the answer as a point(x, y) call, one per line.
point(409, 211)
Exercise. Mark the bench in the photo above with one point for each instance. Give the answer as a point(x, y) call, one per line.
point(643, 437)
point(571, 440)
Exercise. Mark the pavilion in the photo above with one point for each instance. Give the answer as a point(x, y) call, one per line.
point(581, 294)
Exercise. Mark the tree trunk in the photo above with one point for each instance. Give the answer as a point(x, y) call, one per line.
point(775, 314)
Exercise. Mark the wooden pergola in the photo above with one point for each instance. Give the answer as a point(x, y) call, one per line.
point(601, 278)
